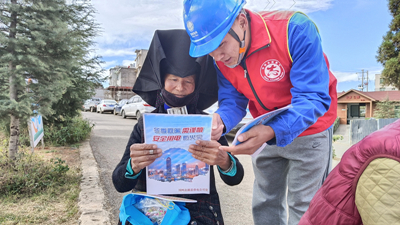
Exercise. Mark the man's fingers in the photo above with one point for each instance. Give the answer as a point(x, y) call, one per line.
point(242, 149)
point(247, 135)
point(242, 137)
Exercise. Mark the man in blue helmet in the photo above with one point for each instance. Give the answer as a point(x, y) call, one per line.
point(268, 60)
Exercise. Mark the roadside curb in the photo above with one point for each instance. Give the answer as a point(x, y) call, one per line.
point(91, 196)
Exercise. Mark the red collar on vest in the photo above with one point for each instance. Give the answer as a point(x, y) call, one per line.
point(260, 36)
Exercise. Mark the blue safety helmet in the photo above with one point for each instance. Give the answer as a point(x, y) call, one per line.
point(208, 21)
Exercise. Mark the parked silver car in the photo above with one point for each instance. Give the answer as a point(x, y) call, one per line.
point(91, 104)
point(135, 107)
point(106, 105)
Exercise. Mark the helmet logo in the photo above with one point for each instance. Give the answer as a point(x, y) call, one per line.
point(190, 26)
point(272, 70)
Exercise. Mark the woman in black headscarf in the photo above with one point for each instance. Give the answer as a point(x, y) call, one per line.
point(171, 79)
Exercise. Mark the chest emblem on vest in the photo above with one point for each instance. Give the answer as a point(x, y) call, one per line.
point(272, 70)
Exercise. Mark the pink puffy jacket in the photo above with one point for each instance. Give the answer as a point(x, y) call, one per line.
point(335, 202)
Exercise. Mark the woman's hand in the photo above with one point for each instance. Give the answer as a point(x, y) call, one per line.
point(209, 152)
point(143, 155)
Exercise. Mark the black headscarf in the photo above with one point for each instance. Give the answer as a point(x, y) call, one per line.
point(169, 53)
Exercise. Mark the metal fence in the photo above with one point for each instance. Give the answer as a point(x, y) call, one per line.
point(361, 128)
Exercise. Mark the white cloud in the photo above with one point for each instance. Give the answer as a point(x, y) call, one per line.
point(345, 76)
point(104, 74)
point(116, 52)
point(355, 76)
point(306, 6)
point(127, 62)
point(132, 23)
point(109, 64)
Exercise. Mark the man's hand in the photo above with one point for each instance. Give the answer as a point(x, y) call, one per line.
point(251, 140)
point(217, 127)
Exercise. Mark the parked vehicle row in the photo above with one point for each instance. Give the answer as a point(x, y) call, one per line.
point(136, 106)
point(133, 107)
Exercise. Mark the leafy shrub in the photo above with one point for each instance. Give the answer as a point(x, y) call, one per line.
point(29, 175)
point(70, 131)
point(61, 133)
point(336, 124)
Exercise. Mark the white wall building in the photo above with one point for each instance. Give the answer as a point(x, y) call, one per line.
point(140, 57)
point(380, 87)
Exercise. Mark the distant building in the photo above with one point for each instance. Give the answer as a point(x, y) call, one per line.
point(122, 78)
point(355, 104)
point(100, 92)
point(140, 57)
point(379, 84)
point(121, 81)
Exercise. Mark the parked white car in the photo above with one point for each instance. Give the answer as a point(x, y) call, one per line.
point(106, 105)
point(248, 117)
point(135, 107)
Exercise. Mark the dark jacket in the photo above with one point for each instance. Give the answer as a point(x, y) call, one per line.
point(207, 209)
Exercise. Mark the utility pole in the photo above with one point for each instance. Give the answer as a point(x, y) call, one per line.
point(361, 86)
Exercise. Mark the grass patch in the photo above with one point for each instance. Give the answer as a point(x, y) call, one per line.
point(40, 188)
point(43, 187)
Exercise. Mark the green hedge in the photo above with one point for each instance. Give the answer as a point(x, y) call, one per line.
point(71, 131)
point(336, 124)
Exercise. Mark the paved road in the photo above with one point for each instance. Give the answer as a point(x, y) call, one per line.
point(108, 142)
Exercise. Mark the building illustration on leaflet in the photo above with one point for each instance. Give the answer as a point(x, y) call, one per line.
point(176, 165)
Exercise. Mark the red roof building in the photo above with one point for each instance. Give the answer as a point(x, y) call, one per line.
point(355, 104)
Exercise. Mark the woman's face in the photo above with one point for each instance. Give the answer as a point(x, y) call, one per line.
point(178, 86)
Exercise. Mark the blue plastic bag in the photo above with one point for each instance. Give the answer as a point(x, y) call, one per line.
point(176, 214)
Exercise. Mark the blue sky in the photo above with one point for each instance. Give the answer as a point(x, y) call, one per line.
point(351, 33)
point(351, 30)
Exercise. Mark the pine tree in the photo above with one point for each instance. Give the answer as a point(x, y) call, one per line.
point(388, 52)
point(44, 53)
point(385, 109)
